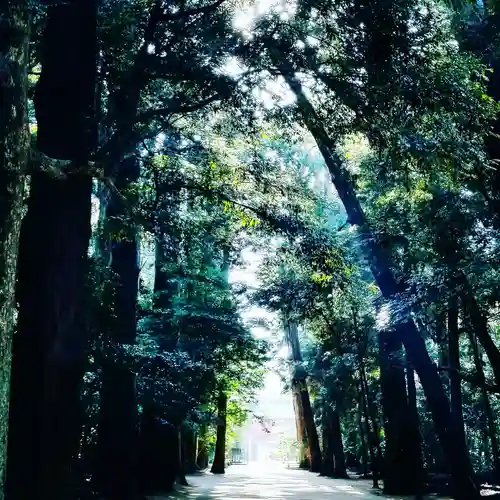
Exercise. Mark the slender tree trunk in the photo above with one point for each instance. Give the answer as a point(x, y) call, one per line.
point(304, 453)
point(372, 414)
point(491, 430)
point(369, 434)
point(181, 473)
point(299, 378)
point(454, 361)
point(362, 434)
point(339, 468)
point(202, 458)
point(480, 324)
point(117, 430)
point(219, 463)
point(447, 429)
point(188, 451)
point(416, 446)
point(14, 144)
point(327, 441)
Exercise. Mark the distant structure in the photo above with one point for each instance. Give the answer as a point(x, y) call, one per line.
point(276, 409)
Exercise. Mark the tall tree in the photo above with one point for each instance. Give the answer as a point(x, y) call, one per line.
point(49, 347)
point(14, 144)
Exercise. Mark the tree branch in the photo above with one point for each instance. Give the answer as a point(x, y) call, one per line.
point(175, 107)
point(183, 14)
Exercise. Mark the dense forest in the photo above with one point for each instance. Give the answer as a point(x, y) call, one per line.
point(351, 146)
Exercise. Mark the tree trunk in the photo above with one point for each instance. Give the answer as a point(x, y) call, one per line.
point(480, 324)
point(14, 144)
point(181, 474)
point(447, 429)
point(454, 372)
point(400, 478)
point(219, 463)
point(327, 441)
point(369, 434)
point(117, 429)
point(49, 347)
point(299, 379)
point(304, 453)
point(415, 439)
point(339, 468)
point(491, 431)
point(202, 458)
point(362, 433)
point(189, 451)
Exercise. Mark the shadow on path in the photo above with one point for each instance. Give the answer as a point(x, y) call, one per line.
point(272, 482)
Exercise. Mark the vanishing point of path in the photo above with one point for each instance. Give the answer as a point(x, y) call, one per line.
point(272, 482)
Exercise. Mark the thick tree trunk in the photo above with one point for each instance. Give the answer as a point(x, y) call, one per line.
point(219, 463)
point(447, 429)
point(400, 478)
point(117, 429)
point(14, 144)
point(49, 347)
point(300, 382)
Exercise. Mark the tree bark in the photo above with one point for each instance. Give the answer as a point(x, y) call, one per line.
point(299, 380)
point(480, 324)
point(447, 429)
point(454, 372)
point(304, 453)
point(415, 438)
point(189, 451)
point(14, 147)
point(400, 477)
point(219, 463)
point(117, 429)
point(327, 441)
point(369, 433)
point(49, 347)
point(362, 433)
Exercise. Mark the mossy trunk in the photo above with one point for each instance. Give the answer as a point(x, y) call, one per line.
point(219, 463)
point(14, 144)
